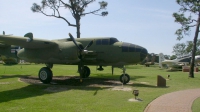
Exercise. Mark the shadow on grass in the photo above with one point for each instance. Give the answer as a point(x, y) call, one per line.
point(173, 70)
point(60, 84)
point(40, 89)
point(21, 93)
point(116, 77)
point(137, 77)
point(12, 76)
point(9, 64)
point(147, 85)
point(143, 85)
point(73, 81)
point(16, 64)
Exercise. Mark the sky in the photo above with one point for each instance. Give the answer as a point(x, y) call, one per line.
point(148, 23)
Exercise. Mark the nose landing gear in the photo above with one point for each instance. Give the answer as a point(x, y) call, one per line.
point(124, 78)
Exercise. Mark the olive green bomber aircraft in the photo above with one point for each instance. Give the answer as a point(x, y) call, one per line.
point(80, 51)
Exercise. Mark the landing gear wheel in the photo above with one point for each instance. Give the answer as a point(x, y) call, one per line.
point(45, 75)
point(124, 78)
point(86, 72)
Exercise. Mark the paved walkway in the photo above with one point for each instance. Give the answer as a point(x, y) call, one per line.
point(180, 101)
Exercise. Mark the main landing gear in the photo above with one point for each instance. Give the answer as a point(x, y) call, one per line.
point(45, 74)
point(85, 72)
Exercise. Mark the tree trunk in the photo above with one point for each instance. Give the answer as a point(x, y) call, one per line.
point(191, 73)
point(78, 27)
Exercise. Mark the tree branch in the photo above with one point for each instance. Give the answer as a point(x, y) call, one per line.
point(92, 12)
point(59, 17)
point(65, 4)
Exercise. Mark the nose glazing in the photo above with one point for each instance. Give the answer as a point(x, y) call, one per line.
point(142, 50)
point(143, 53)
point(127, 47)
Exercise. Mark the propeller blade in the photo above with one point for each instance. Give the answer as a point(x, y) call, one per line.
point(74, 42)
point(89, 45)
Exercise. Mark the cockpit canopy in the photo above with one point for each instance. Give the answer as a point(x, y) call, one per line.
point(128, 47)
point(107, 41)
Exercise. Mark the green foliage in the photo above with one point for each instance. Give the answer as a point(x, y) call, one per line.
point(191, 8)
point(76, 7)
point(188, 7)
point(181, 49)
point(190, 47)
point(23, 97)
point(173, 57)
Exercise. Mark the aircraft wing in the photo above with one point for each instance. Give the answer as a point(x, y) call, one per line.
point(26, 43)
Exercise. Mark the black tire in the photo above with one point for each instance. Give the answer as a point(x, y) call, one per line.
point(86, 72)
point(124, 78)
point(45, 75)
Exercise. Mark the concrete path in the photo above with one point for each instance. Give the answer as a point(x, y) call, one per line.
point(180, 101)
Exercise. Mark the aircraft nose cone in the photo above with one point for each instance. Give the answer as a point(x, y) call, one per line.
point(143, 53)
point(128, 47)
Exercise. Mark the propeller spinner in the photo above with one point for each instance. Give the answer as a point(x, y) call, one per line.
point(81, 49)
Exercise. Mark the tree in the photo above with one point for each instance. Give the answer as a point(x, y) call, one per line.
point(190, 46)
point(76, 7)
point(191, 8)
point(179, 49)
point(173, 57)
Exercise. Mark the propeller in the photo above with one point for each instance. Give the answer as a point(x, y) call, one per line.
point(72, 38)
point(81, 49)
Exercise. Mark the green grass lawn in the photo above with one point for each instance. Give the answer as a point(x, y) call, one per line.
point(195, 106)
point(20, 96)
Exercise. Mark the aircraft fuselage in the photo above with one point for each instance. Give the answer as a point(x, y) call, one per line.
point(104, 51)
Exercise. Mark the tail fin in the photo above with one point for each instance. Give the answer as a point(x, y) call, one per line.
point(161, 58)
point(30, 37)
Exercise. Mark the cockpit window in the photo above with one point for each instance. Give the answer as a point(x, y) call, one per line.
point(113, 40)
point(98, 42)
point(137, 49)
point(125, 47)
point(106, 41)
point(132, 48)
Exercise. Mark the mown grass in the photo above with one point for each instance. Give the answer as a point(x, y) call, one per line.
point(20, 96)
point(195, 106)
